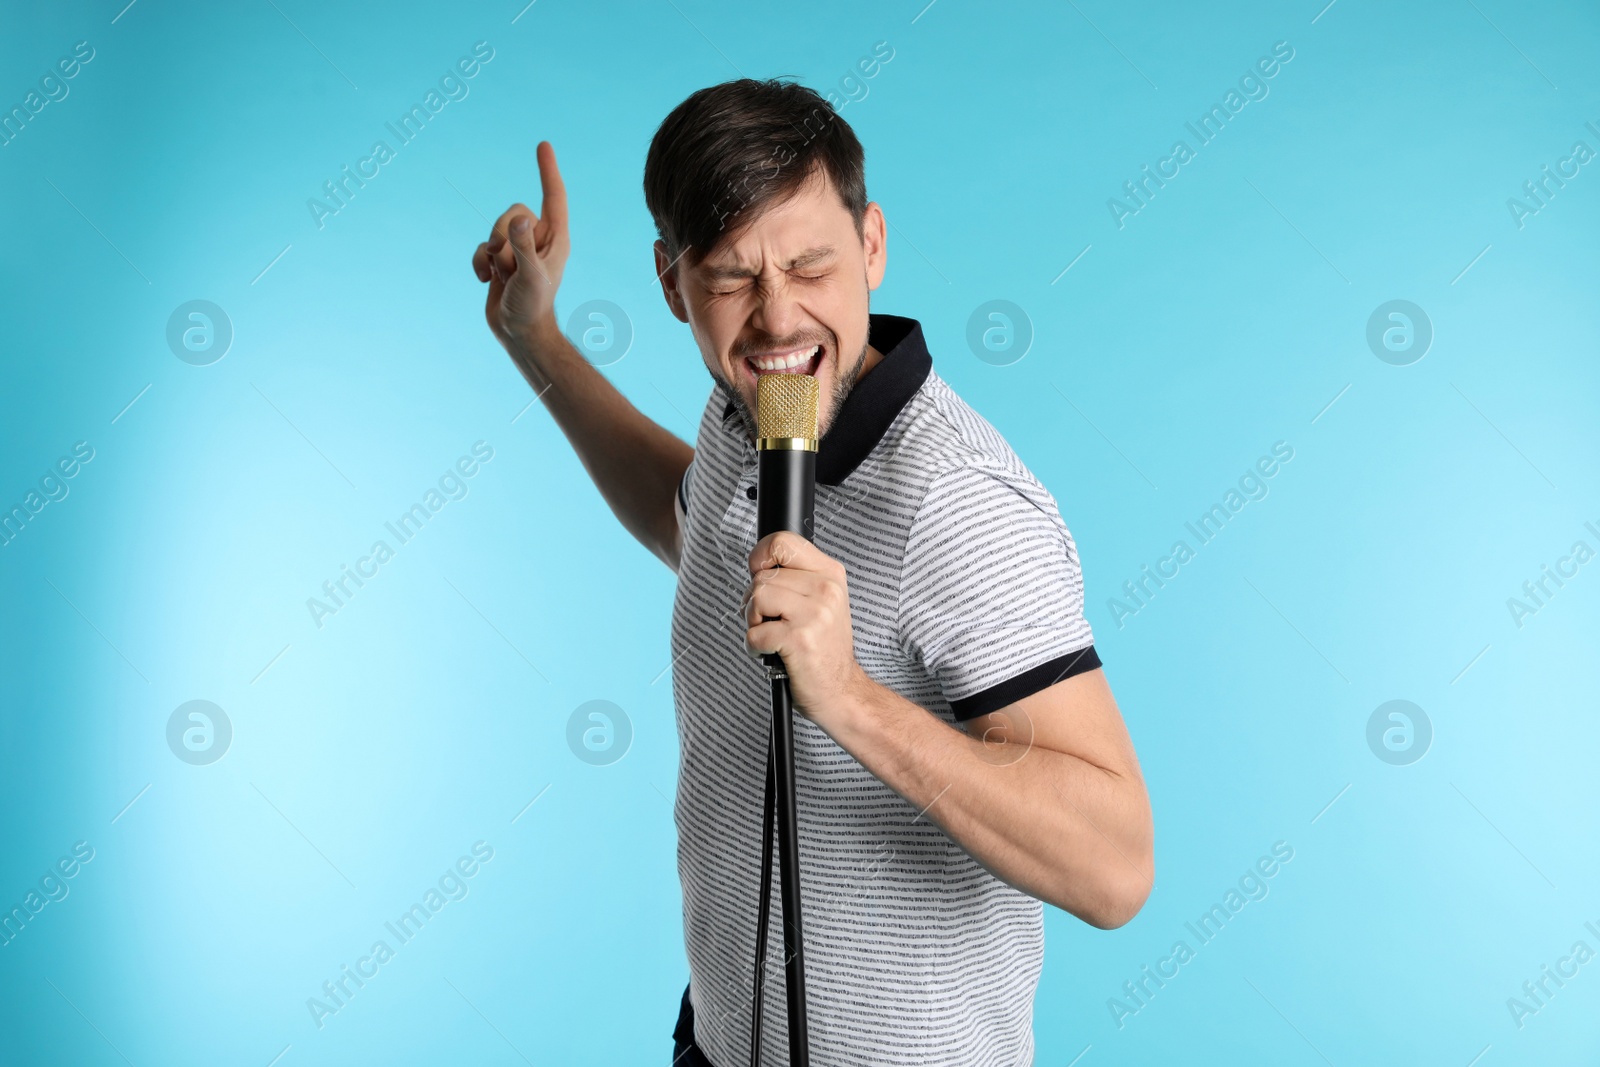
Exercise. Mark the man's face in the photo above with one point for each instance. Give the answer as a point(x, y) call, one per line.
point(788, 293)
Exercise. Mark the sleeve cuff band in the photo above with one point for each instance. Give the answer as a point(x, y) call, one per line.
point(1025, 684)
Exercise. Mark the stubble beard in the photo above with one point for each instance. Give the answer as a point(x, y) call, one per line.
point(843, 382)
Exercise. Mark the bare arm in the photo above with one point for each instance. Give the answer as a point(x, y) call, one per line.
point(634, 462)
point(1048, 795)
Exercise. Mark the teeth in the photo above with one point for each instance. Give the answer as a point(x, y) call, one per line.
point(785, 362)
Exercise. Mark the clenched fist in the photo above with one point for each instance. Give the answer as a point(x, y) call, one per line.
point(798, 605)
point(523, 259)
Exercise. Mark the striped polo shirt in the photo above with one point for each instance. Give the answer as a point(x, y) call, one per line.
point(965, 596)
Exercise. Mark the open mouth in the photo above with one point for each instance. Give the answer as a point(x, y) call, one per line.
point(792, 361)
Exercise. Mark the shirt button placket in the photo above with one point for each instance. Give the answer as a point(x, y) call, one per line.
point(739, 522)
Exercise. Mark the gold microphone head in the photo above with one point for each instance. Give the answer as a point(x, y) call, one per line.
point(786, 411)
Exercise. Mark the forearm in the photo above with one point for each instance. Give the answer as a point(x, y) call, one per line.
point(634, 462)
point(1047, 822)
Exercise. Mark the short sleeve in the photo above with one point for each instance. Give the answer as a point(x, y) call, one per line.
point(991, 593)
point(682, 505)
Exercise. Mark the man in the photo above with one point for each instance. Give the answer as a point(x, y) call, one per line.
point(960, 757)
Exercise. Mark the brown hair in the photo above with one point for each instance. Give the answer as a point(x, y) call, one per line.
point(731, 149)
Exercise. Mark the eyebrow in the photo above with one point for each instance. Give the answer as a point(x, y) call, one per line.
point(804, 259)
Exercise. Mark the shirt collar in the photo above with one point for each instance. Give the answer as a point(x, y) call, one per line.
point(872, 405)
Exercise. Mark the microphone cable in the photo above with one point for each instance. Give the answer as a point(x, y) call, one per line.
point(763, 913)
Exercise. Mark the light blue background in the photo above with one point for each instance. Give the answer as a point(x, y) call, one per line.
point(1225, 316)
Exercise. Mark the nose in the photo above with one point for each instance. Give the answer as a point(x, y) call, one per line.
point(776, 313)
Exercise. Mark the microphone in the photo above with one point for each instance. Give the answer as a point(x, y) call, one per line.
point(786, 480)
point(786, 446)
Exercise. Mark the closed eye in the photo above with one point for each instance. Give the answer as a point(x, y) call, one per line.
point(730, 288)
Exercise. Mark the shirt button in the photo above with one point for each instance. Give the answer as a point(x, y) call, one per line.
point(750, 491)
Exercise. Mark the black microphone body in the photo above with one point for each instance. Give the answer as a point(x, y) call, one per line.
point(786, 489)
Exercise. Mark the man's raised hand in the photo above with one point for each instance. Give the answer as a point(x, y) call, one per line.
point(523, 260)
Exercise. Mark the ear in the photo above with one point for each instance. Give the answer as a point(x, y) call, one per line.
point(667, 275)
point(875, 242)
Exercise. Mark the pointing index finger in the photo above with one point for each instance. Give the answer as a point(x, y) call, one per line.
point(554, 208)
